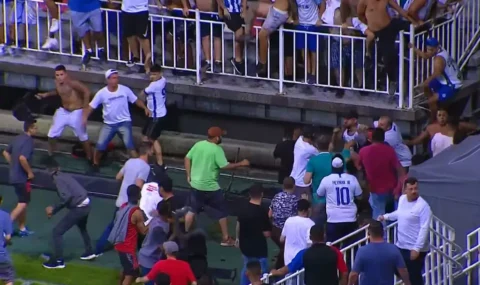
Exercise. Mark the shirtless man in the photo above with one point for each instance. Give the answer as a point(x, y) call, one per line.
point(440, 133)
point(374, 13)
point(75, 96)
point(279, 13)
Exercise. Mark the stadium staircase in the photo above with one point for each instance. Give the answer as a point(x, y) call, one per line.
point(445, 264)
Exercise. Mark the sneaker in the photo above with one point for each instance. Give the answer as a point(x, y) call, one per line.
point(54, 264)
point(392, 88)
point(50, 43)
point(88, 256)
point(311, 79)
point(102, 55)
point(217, 67)
point(3, 49)
point(25, 233)
point(86, 57)
point(228, 242)
point(132, 62)
point(54, 26)
point(238, 67)
point(45, 256)
point(261, 69)
point(11, 50)
point(206, 66)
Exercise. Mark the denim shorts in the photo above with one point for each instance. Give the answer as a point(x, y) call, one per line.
point(108, 132)
point(310, 43)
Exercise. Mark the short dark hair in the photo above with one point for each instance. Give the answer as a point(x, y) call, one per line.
point(378, 135)
point(162, 279)
point(308, 132)
point(166, 183)
point(60, 67)
point(51, 165)
point(288, 182)
point(256, 191)
point(303, 205)
point(28, 124)
point(375, 229)
point(145, 148)
point(133, 193)
point(317, 233)
point(164, 209)
point(350, 167)
point(254, 267)
point(411, 181)
point(322, 142)
point(156, 68)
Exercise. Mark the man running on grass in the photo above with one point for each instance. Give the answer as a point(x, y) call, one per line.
point(18, 155)
point(75, 97)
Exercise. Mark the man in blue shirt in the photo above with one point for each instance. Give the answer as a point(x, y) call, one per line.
point(7, 273)
point(18, 155)
point(87, 17)
point(378, 261)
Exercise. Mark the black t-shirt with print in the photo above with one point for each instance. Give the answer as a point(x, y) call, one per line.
point(254, 221)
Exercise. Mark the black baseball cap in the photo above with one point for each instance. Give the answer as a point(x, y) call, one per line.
point(352, 114)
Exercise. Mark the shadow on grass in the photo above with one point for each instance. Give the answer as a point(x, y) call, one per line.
point(30, 268)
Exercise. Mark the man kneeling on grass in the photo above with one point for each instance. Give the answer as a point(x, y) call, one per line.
point(7, 274)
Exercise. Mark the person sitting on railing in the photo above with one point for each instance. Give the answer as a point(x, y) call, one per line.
point(136, 28)
point(233, 13)
point(446, 79)
point(209, 30)
point(87, 21)
point(418, 9)
point(52, 8)
point(279, 13)
point(374, 13)
point(17, 14)
point(321, 262)
point(308, 21)
point(358, 25)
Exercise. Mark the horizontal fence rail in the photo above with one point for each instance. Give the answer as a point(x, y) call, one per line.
point(332, 57)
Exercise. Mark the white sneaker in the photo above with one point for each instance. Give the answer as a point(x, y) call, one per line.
point(3, 49)
point(11, 50)
point(50, 43)
point(54, 26)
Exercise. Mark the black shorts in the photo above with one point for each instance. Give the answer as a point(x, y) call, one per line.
point(23, 191)
point(153, 127)
point(135, 24)
point(214, 200)
point(129, 264)
point(336, 231)
point(211, 27)
point(235, 22)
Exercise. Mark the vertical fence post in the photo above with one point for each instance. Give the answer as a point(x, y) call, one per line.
point(401, 73)
point(453, 52)
point(198, 47)
point(411, 65)
point(281, 69)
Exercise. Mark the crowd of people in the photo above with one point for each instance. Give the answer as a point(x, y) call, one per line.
point(313, 52)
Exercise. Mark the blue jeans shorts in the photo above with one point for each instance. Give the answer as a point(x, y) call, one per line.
point(108, 132)
point(311, 42)
point(444, 91)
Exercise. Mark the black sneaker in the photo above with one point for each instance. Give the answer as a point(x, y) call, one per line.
point(86, 57)
point(311, 79)
point(54, 264)
point(102, 55)
point(88, 256)
point(206, 66)
point(261, 69)
point(217, 67)
point(238, 67)
point(132, 62)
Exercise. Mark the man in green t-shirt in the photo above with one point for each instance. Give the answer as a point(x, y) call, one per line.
point(202, 165)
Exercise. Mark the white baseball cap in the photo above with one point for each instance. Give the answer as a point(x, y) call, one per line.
point(110, 72)
point(337, 162)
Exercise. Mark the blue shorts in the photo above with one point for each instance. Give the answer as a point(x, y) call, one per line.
point(444, 91)
point(86, 22)
point(25, 12)
point(108, 132)
point(346, 54)
point(311, 39)
point(209, 28)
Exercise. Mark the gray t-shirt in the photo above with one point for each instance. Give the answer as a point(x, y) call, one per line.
point(134, 168)
point(21, 145)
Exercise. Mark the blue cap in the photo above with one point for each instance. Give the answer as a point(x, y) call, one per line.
point(431, 42)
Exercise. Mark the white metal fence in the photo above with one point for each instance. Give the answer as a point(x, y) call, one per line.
point(338, 61)
point(444, 262)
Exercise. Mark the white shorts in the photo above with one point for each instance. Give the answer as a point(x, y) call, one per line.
point(64, 118)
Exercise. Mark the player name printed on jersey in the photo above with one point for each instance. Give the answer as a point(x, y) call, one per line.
point(149, 200)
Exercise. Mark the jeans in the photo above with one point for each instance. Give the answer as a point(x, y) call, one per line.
point(263, 263)
point(75, 217)
point(108, 132)
point(103, 244)
point(379, 203)
point(143, 272)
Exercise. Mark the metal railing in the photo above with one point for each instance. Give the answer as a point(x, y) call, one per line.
point(339, 60)
point(442, 263)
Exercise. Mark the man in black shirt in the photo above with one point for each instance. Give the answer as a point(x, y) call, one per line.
point(253, 229)
point(284, 151)
point(254, 272)
point(177, 223)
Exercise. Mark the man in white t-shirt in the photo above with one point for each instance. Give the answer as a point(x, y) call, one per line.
point(116, 116)
point(302, 152)
point(156, 98)
point(340, 190)
point(296, 231)
point(414, 217)
point(393, 137)
point(136, 28)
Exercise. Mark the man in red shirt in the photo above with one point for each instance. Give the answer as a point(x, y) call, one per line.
point(179, 271)
point(129, 222)
point(383, 171)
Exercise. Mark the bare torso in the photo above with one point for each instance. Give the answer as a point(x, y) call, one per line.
point(445, 130)
point(282, 5)
point(206, 5)
point(377, 15)
point(71, 100)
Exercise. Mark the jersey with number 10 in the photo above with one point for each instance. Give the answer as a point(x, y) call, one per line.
point(340, 192)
